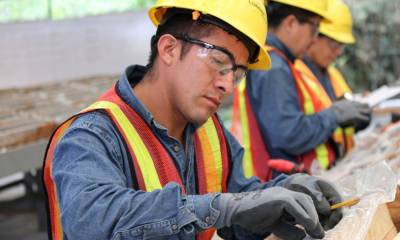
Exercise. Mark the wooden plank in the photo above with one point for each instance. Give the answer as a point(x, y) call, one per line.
point(27, 115)
point(382, 227)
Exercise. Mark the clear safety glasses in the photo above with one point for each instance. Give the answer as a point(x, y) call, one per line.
point(217, 58)
point(314, 27)
point(334, 45)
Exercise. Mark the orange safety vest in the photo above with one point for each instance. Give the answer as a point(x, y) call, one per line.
point(343, 136)
point(246, 130)
point(152, 164)
point(309, 104)
point(340, 87)
point(339, 84)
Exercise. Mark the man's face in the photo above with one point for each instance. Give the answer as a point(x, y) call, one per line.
point(324, 51)
point(304, 35)
point(198, 87)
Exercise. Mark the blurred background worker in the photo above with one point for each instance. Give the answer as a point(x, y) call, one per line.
point(274, 114)
point(151, 160)
point(326, 81)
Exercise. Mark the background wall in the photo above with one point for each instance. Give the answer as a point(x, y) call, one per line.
point(35, 53)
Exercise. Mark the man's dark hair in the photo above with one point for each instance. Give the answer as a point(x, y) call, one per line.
point(180, 22)
point(277, 12)
point(178, 25)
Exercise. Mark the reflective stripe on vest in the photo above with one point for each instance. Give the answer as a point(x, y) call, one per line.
point(339, 84)
point(153, 166)
point(340, 135)
point(309, 104)
point(246, 130)
point(340, 87)
point(314, 95)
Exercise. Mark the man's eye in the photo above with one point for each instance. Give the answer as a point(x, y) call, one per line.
point(224, 71)
point(217, 61)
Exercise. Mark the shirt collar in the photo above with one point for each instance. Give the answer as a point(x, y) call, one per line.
point(132, 76)
point(274, 41)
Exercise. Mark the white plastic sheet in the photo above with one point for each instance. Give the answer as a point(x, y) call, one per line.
point(374, 185)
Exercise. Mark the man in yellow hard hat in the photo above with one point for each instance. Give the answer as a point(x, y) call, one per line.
point(150, 158)
point(328, 82)
point(290, 123)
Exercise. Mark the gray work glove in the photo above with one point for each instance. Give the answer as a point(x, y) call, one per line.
point(351, 113)
point(273, 210)
point(323, 194)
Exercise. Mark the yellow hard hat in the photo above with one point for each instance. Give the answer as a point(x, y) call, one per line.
point(340, 24)
point(246, 16)
point(318, 7)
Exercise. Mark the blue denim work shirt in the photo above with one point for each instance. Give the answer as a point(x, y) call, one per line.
point(286, 130)
point(96, 189)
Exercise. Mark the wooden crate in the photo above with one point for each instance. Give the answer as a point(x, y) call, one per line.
point(382, 227)
point(397, 237)
point(394, 209)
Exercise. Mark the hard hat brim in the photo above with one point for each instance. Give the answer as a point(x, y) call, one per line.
point(157, 12)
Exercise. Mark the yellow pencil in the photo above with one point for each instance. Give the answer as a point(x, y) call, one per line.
point(347, 203)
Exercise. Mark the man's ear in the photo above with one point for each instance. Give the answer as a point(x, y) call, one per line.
point(290, 22)
point(169, 49)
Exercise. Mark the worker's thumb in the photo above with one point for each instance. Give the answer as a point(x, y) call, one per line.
point(258, 211)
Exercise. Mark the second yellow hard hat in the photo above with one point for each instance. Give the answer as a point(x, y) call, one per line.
point(340, 24)
point(318, 7)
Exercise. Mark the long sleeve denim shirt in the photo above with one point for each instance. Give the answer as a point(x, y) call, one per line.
point(97, 196)
point(286, 130)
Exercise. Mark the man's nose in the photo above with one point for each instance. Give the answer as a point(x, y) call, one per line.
point(339, 51)
point(225, 82)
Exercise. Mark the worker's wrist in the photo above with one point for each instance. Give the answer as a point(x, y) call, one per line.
point(198, 209)
point(331, 116)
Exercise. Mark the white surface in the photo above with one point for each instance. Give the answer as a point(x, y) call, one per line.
point(13, 193)
point(11, 178)
point(379, 95)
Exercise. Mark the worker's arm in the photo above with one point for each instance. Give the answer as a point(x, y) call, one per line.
point(276, 105)
point(97, 200)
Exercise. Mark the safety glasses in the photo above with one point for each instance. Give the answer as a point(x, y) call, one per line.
point(334, 45)
point(314, 27)
point(217, 58)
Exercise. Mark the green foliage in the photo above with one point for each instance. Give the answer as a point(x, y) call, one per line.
point(375, 59)
point(26, 10)
point(12, 10)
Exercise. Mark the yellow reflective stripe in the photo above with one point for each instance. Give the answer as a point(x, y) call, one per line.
point(311, 80)
point(307, 103)
point(349, 131)
point(145, 162)
point(322, 156)
point(338, 82)
point(321, 150)
point(63, 128)
point(211, 155)
point(318, 89)
point(247, 158)
point(338, 135)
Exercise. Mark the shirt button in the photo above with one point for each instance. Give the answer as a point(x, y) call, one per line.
point(176, 148)
point(174, 227)
point(208, 220)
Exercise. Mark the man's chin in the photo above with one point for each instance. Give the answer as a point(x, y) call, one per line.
point(200, 120)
